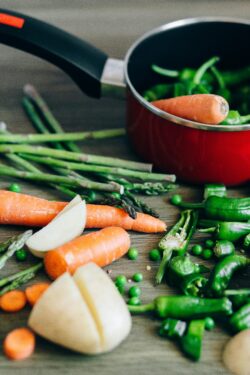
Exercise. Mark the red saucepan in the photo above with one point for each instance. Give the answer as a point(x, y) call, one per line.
point(195, 152)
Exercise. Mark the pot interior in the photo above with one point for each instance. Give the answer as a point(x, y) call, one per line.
point(188, 44)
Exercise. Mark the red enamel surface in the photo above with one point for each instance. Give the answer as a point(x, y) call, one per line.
point(13, 21)
point(194, 155)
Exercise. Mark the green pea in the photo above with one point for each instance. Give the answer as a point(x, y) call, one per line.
point(209, 323)
point(134, 301)
point(134, 291)
point(133, 253)
point(197, 249)
point(207, 253)
point(209, 243)
point(120, 288)
point(176, 199)
point(120, 280)
point(21, 255)
point(15, 188)
point(155, 255)
point(91, 196)
point(137, 277)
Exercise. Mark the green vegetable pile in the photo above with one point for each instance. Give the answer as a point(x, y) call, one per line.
point(232, 85)
point(205, 295)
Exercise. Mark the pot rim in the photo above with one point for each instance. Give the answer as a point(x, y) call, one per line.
point(163, 114)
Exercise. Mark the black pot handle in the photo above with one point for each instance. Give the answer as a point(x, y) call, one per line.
point(81, 61)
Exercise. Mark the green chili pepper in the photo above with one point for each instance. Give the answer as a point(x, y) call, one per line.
point(235, 77)
point(191, 342)
point(203, 68)
point(238, 297)
point(246, 241)
point(231, 231)
point(223, 272)
point(185, 307)
point(193, 284)
point(223, 248)
point(179, 267)
point(186, 74)
point(177, 239)
point(241, 319)
point(222, 208)
point(215, 189)
point(172, 328)
point(159, 91)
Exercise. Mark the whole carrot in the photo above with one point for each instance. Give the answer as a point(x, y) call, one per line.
point(204, 108)
point(102, 247)
point(23, 209)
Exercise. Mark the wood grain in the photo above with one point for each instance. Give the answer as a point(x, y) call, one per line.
point(113, 26)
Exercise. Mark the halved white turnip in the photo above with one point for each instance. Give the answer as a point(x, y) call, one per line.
point(66, 226)
point(108, 308)
point(62, 316)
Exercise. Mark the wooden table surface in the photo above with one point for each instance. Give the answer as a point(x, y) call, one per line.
point(113, 26)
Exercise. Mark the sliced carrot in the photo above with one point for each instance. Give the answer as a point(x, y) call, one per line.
point(34, 292)
point(102, 247)
point(204, 108)
point(13, 301)
point(22, 209)
point(19, 344)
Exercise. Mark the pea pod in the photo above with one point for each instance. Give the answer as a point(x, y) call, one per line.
point(241, 319)
point(191, 342)
point(185, 307)
point(223, 272)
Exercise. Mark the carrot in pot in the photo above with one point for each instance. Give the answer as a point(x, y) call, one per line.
point(34, 292)
point(102, 247)
point(204, 108)
point(23, 209)
point(19, 344)
point(13, 301)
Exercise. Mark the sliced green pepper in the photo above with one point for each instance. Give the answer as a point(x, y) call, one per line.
point(191, 342)
point(241, 319)
point(223, 248)
point(172, 328)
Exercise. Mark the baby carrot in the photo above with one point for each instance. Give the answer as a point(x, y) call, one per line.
point(203, 108)
point(22, 209)
point(34, 292)
point(13, 301)
point(19, 344)
point(102, 247)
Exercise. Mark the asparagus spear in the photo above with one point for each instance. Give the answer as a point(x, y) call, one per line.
point(15, 281)
point(51, 178)
point(36, 121)
point(46, 113)
point(74, 156)
point(15, 245)
point(145, 176)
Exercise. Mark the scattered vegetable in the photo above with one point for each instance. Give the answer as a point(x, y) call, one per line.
point(35, 291)
point(13, 301)
point(155, 255)
point(132, 253)
point(21, 255)
point(197, 250)
point(19, 344)
point(137, 277)
point(134, 291)
point(223, 248)
point(15, 188)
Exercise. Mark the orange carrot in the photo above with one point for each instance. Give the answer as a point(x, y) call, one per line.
point(22, 209)
point(204, 108)
point(13, 301)
point(19, 344)
point(102, 247)
point(34, 292)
